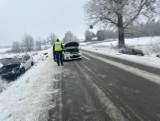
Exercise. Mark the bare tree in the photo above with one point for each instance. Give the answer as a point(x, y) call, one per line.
point(120, 13)
point(38, 44)
point(69, 36)
point(15, 46)
point(44, 42)
point(52, 38)
point(105, 34)
point(28, 42)
point(89, 35)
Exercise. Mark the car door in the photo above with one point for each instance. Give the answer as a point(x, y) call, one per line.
point(26, 64)
point(28, 61)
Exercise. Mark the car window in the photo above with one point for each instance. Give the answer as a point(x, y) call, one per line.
point(128, 50)
point(27, 57)
point(139, 51)
point(20, 59)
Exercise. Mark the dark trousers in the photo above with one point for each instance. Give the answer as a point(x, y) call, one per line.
point(54, 56)
point(59, 57)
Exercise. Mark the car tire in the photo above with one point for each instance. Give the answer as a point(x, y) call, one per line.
point(139, 54)
point(32, 64)
point(22, 70)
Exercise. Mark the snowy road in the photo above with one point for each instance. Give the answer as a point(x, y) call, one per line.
point(96, 90)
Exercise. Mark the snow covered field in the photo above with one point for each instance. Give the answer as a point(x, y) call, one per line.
point(149, 45)
point(29, 97)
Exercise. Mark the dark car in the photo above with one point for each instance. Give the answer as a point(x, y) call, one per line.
point(71, 51)
point(132, 51)
point(10, 68)
point(13, 67)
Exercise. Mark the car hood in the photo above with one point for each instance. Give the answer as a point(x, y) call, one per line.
point(8, 68)
point(71, 46)
point(9, 61)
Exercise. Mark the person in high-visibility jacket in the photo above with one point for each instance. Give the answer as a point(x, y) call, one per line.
point(58, 48)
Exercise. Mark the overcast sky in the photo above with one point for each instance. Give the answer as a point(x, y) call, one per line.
point(39, 18)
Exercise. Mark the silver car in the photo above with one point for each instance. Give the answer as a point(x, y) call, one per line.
point(71, 51)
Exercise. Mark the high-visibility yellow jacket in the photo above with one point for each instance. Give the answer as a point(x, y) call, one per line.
point(58, 46)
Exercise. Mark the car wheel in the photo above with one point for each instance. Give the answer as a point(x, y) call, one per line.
point(22, 71)
point(139, 54)
point(18, 72)
point(32, 64)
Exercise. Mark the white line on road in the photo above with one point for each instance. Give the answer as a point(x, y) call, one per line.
point(144, 74)
point(86, 57)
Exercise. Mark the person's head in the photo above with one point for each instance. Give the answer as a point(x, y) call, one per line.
point(57, 40)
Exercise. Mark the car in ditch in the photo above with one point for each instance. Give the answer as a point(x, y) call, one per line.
point(71, 51)
point(13, 67)
point(131, 51)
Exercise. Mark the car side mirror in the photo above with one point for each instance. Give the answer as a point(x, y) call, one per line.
point(91, 26)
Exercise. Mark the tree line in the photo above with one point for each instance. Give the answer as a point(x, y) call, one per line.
point(30, 44)
point(139, 30)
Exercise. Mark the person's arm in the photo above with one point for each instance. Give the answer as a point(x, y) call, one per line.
point(53, 47)
point(62, 45)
